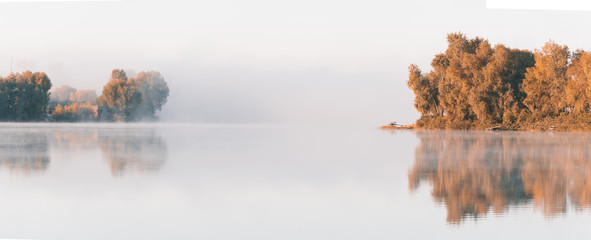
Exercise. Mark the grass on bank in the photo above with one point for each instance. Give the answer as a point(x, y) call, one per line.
point(563, 122)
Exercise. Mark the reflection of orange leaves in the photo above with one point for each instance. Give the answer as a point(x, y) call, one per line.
point(141, 152)
point(76, 139)
point(472, 173)
point(24, 153)
point(27, 166)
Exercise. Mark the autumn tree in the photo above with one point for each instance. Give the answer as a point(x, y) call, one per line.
point(472, 81)
point(545, 83)
point(120, 99)
point(67, 95)
point(83, 96)
point(74, 113)
point(456, 80)
point(133, 99)
point(495, 96)
point(426, 92)
point(578, 88)
point(61, 94)
point(519, 62)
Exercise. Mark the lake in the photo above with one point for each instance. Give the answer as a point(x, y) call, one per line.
point(191, 181)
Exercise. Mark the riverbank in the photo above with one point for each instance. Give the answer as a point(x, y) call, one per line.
point(564, 122)
point(394, 127)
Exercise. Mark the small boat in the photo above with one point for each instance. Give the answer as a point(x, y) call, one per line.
point(496, 128)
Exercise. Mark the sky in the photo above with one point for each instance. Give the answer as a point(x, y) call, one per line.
point(573, 5)
point(271, 62)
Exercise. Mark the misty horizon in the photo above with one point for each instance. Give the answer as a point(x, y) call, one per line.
point(263, 62)
point(309, 119)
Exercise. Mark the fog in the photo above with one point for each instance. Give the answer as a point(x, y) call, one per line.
point(304, 62)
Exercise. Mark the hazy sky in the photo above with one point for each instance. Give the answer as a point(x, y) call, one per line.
point(264, 61)
point(576, 5)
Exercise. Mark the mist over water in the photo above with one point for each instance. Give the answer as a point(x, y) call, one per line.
point(155, 181)
point(270, 128)
point(27, 148)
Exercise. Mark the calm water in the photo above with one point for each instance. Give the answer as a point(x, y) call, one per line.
point(105, 181)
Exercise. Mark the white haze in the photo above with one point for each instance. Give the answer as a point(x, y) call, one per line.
point(286, 62)
point(578, 5)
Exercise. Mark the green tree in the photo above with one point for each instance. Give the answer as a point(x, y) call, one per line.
point(24, 96)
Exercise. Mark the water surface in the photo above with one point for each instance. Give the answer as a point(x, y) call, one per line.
point(188, 181)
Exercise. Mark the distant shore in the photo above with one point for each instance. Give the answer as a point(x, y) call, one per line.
point(29, 97)
point(395, 127)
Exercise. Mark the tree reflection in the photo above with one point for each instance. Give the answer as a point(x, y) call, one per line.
point(139, 150)
point(473, 173)
point(75, 140)
point(24, 152)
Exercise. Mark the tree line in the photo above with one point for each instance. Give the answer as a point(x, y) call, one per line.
point(476, 85)
point(27, 97)
point(24, 96)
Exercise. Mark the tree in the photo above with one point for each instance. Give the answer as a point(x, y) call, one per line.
point(132, 99)
point(119, 100)
point(426, 93)
point(83, 96)
point(66, 95)
point(456, 79)
point(24, 96)
point(61, 94)
point(154, 93)
point(578, 87)
point(74, 112)
point(472, 82)
point(544, 83)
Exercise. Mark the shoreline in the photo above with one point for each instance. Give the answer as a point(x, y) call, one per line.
point(491, 129)
point(574, 122)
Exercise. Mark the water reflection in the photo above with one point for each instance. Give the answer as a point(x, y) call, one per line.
point(27, 149)
point(24, 152)
point(142, 151)
point(473, 173)
point(74, 140)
